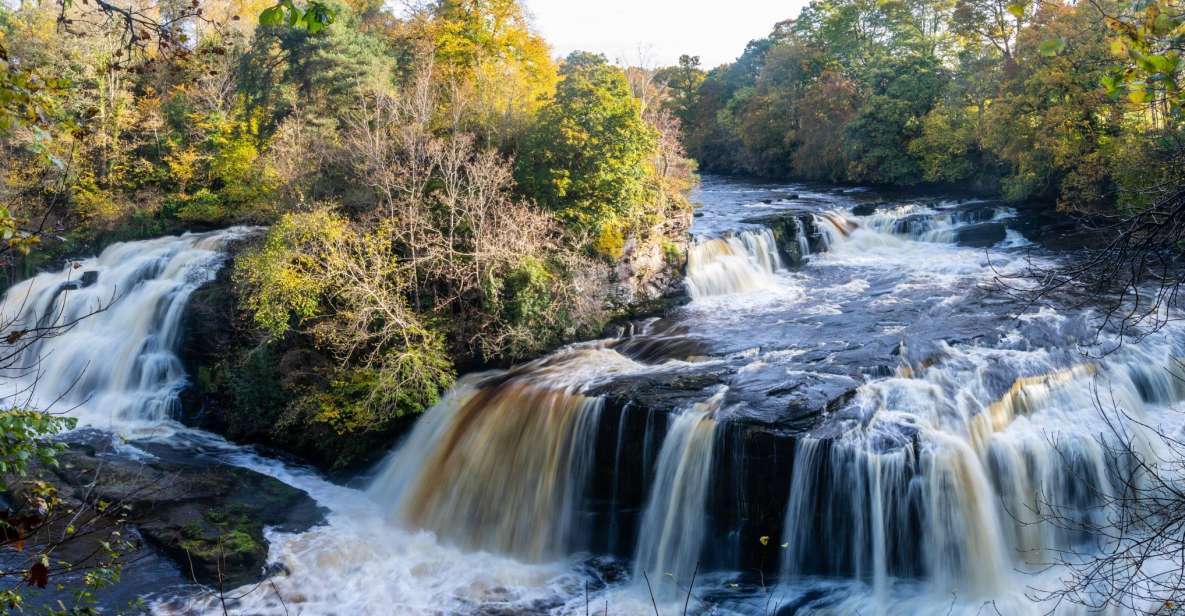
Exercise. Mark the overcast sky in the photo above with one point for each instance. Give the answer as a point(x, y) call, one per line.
point(660, 30)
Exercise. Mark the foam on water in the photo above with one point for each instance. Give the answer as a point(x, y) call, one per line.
point(919, 499)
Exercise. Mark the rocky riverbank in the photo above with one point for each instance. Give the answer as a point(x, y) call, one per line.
point(207, 517)
point(273, 392)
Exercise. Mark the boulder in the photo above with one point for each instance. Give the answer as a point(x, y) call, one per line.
point(786, 227)
point(981, 235)
point(207, 517)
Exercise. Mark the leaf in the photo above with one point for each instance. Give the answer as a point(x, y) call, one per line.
point(271, 16)
point(764, 540)
point(1017, 9)
point(1137, 95)
point(1163, 24)
point(1119, 47)
point(38, 575)
point(1110, 83)
point(1052, 46)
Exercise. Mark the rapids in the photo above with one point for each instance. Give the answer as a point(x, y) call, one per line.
point(844, 419)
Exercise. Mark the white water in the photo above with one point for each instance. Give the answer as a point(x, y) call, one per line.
point(922, 506)
point(745, 261)
point(674, 526)
point(109, 358)
point(942, 478)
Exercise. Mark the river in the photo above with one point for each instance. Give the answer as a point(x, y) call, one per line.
point(846, 418)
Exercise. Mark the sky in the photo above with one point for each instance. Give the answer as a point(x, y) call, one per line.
point(655, 33)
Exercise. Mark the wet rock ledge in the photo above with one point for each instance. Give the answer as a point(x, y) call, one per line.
point(209, 518)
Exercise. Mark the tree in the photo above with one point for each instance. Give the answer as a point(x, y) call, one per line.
point(997, 23)
point(901, 92)
point(499, 70)
point(1053, 122)
point(824, 111)
point(1134, 271)
point(589, 156)
point(684, 80)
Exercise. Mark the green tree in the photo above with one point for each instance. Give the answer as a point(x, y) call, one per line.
point(589, 155)
point(901, 91)
point(1053, 121)
point(684, 80)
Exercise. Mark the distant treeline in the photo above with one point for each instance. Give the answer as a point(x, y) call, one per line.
point(1056, 101)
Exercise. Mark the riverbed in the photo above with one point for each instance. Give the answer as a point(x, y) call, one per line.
point(848, 416)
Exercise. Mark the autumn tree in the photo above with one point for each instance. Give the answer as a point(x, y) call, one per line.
point(589, 157)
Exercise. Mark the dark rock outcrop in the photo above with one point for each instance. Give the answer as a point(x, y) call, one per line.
point(981, 235)
point(764, 414)
point(787, 227)
point(207, 517)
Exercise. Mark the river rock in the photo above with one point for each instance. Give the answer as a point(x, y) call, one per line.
point(981, 235)
point(784, 399)
point(208, 517)
point(786, 227)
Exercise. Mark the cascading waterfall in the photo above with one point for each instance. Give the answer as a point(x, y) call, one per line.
point(933, 482)
point(945, 483)
point(674, 525)
point(926, 224)
point(834, 227)
point(115, 364)
point(733, 264)
point(502, 462)
point(871, 514)
point(804, 245)
point(500, 468)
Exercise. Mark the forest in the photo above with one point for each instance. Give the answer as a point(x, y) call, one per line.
point(439, 191)
point(1071, 104)
point(411, 246)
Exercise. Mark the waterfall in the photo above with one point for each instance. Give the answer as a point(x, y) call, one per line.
point(871, 514)
point(500, 468)
point(804, 245)
point(674, 524)
point(115, 364)
point(733, 264)
point(919, 491)
point(834, 228)
point(941, 226)
point(947, 481)
point(502, 463)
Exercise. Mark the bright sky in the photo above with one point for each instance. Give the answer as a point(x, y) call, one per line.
point(655, 32)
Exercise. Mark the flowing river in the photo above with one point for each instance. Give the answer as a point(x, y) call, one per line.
point(846, 418)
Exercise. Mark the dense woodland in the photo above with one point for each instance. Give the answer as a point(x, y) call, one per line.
point(1062, 103)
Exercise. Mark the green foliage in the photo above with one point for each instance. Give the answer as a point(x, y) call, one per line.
point(24, 439)
point(610, 240)
point(363, 399)
point(279, 276)
point(589, 156)
point(324, 74)
point(313, 18)
point(902, 91)
point(1148, 39)
point(945, 145)
point(995, 95)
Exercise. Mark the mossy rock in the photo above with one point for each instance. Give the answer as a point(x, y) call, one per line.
point(208, 517)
